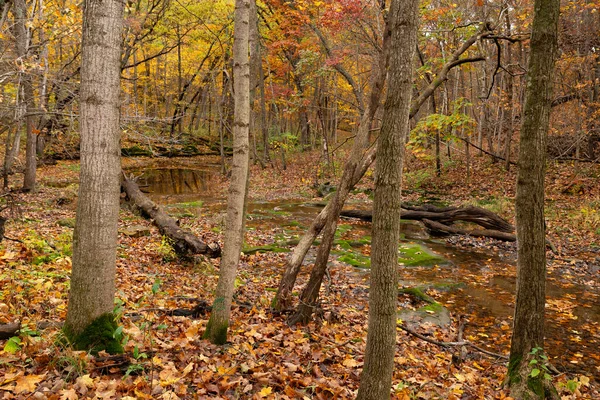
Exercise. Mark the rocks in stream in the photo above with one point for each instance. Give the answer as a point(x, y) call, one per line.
point(433, 313)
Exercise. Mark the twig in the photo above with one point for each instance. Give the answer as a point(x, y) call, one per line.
point(451, 344)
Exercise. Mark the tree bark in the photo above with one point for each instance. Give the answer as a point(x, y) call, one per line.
point(184, 241)
point(376, 379)
point(528, 333)
point(91, 299)
point(22, 45)
point(216, 329)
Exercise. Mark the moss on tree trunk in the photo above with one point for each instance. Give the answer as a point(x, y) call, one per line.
point(97, 336)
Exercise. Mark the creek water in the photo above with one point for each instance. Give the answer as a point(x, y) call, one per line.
point(474, 283)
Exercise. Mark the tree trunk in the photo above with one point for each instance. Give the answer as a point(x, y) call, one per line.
point(376, 378)
point(90, 323)
point(528, 333)
point(22, 45)
point(310, 294)
point(282, 299)
point(216, 329)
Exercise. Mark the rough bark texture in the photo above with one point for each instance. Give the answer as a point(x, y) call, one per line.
point(216, 330)
point(91, 299)
point(185, 242)
point(376, 378)
point(528, 330)
point(22, 45)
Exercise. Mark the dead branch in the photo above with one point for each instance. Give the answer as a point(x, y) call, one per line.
point(452, 344)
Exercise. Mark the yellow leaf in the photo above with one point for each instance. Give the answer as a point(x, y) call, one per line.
point(264, 392)
point(27, 383)
point(68, 394)
point(192, 331)
point(350, 363)
point(585, 381)
point(86, 381)
point(8, 378)
point(187, 369)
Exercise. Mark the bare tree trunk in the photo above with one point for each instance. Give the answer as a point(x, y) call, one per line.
point(90, 323)
point(216, 329)
point(22, 44)
point(528, 333)
point(376, 379)
point(43, 89)
point(509, 99)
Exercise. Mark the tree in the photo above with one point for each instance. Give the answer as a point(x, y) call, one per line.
point(22, 45)
point(90, 322)
point(528, 333)
point(216, 329)
point(376, 378)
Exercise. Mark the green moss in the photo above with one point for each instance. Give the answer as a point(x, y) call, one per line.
point(434, 307)
point(419, 293)
point(415, 254)
point(274, 248)
point(357, 260)
point(135, 151)
point(188, 204)
point(279, 212)
point(513, 369)
point(97, 336)
point(293, 223)
point(216, 333)
point(536, 385)
point(342, 229)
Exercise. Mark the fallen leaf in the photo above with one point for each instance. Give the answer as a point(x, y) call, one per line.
point(68, 394)
point(27, 383)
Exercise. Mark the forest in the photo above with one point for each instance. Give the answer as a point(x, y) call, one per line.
point(300, 199)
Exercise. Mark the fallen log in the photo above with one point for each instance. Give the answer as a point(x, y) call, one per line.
point(439, 221)
point(445, 215)
point(9, 330)
point(185, 243)
point(438, 227)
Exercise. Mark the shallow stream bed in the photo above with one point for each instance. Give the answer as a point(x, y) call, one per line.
point(478, 285)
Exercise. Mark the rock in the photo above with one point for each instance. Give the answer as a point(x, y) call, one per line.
point(66, 222)
point(433, 313)
point(135, 231)
point(413, 230)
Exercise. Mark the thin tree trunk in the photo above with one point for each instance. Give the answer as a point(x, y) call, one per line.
point(376, 378)
point(509, 99)
point(528, 333)
point(22, 45)
point(90, 323)
point(216, 329)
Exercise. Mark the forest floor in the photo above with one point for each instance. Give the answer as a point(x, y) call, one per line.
point(265, 358)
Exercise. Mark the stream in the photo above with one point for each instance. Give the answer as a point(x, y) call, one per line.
point(470, 282)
